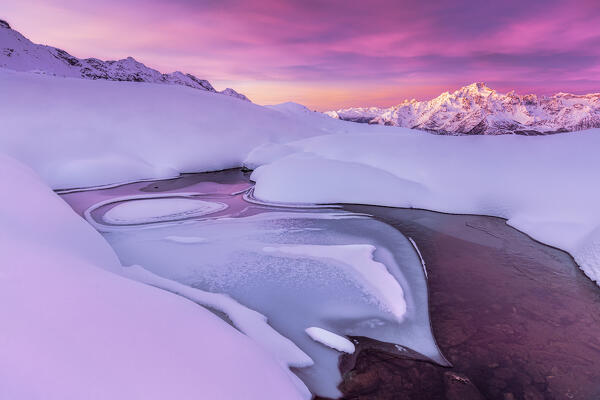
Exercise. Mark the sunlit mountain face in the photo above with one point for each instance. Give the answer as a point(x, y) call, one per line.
point(479, 110)
point(335, 54)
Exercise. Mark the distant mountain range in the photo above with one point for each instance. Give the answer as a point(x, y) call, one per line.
point(20, 54)
point(474, 109)
point(478, 110)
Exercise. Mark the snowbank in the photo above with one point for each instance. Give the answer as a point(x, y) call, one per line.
point(72, 329)
point(123, 339)
point(545, 186)
point(76, 132)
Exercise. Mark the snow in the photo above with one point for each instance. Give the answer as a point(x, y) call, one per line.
point(231, 92)
point(159, 209)
point(76, 329)
point(147, 341)
point(544, 186)
point(372, 274)
point(78, 133)
point(248, 321)
point(343, 272)
point(477, 109)
point(185, 239)
point(20, 54)
point(300, 186)
point(127, 131)
point(330, 339)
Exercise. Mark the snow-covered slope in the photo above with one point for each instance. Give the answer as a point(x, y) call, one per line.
point(73, 328)
point(545, 186)
point(20, 54)
point(477, 109)
point(233, 93)
point(77, 132)
point(131, 131)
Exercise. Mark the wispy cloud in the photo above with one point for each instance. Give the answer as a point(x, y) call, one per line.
point(336, 53)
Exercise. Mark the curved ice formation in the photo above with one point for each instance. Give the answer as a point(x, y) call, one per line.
point(158, 210)
point(250, 322)
point(345, 273)
point(372, 275)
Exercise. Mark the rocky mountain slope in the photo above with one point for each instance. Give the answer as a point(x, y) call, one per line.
point(477, 109)
point(20, 54)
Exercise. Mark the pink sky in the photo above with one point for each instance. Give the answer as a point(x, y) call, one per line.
point(332, 54)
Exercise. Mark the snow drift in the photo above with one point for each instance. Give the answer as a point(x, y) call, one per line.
point(73, 329)
point(545, 186)
point(77, 132)
point(74, 132)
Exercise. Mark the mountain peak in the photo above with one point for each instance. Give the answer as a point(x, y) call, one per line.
point(476, 87)
point(20, 54)
point(233, 93)
point(477, 109)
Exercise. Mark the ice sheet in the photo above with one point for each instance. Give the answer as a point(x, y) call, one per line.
point(344, 273)
point(159, 209)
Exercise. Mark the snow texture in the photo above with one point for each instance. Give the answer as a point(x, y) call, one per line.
point(330, 339)
point(320, 268)
point(359, 257)
point(544, 186)
point(77, 329)
point(76, 132)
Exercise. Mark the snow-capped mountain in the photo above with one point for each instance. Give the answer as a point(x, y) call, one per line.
point(20, 54)
point(233, 93)
point(477, 109)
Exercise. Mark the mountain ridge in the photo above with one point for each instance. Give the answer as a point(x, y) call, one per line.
point(21, 54)
point(478, 109)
